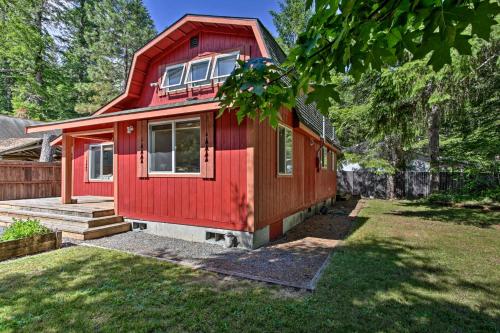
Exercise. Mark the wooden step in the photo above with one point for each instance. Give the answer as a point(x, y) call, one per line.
point(98, 232)
point(68, 211)
point(6, 221)
point(81, 231)
point(107, 230)
point(64, 219)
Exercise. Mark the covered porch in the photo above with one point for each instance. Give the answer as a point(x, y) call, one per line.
point(96, 166)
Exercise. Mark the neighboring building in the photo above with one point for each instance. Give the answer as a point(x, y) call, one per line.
point(15, 144)
point(174, 167)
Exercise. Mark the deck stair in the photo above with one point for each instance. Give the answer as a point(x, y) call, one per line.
point(88, 220)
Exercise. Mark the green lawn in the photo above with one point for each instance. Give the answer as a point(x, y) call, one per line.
point(405, 268)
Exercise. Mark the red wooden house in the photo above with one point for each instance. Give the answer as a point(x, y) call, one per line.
point(175, 168)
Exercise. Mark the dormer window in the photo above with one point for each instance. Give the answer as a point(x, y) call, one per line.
point(172, 78)
point(224, 66)
point(198, 72)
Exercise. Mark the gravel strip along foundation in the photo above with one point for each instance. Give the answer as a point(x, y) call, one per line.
point(297, 260)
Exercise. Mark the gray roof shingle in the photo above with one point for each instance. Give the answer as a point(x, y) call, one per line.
point(11, 127)
point(307, 113)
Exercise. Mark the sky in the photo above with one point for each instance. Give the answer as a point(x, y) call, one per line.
point(166, 12)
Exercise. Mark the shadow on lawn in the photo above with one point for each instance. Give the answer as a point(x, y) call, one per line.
point(463, 216)
point(371, 285)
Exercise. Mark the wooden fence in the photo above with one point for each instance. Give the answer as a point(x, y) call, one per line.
point(27, 180)
point(407, 184)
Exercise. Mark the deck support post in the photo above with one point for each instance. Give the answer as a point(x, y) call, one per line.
point(67, 169)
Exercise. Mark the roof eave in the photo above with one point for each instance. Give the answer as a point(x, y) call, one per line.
point(164, 110)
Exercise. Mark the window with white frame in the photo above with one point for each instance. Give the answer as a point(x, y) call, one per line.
point(224, 66)
point(333, 160)
point(101, 162)
point(324, 159)
point(285, 150)
point(174, 146)
point(197, 73)
point(172, 79)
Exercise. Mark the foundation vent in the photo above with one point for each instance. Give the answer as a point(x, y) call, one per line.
point(138, 226)
point(214, 237)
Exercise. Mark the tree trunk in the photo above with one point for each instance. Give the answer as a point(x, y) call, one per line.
point(391, 186)
point(396, 153)
point(433, 132)
point(47, 153)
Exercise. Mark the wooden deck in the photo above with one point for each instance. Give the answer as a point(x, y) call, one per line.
point(90, 217)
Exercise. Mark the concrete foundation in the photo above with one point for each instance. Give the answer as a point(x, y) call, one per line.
point(245, 239)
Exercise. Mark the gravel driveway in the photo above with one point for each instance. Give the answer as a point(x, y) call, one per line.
point(296, 260)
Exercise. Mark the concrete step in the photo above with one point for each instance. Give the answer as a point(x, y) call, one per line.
point(62, 219)
point(67, 211)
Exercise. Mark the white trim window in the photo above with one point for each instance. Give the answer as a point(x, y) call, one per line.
point(333, 160)
point(101, 162)
point(174, 147)
point(285, 150)
point(197, 73)
point(172, 79)
point(324, 159)
point(224, 65)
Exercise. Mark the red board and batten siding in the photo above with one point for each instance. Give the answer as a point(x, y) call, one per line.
point(245, 177)
point(280, 196)
point(81, 184)
point(220, 202)
point(209, 43)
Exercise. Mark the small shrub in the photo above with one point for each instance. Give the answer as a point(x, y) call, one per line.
point(492, 194)
point(485, 197)
point(23, 228)
point(440, 198)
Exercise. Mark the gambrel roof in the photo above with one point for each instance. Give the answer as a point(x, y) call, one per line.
point(269, 48)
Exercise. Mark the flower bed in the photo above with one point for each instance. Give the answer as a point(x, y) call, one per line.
point(27, 237)
point(30, 245)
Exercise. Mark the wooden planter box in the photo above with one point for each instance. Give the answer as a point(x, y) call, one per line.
point(31, 245)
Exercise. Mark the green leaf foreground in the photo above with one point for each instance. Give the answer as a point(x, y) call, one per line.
point(353, 37)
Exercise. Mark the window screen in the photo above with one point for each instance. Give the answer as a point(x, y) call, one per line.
point(198, 72)
point(224, 66)
point(324, 158)
point(173, 77)
point(101, 162)
point(175, 147)
point(161, 147)
point(285, 150)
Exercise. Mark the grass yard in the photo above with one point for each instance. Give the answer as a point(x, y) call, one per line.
point(407, 267)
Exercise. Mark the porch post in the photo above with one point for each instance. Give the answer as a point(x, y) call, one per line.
point(115, 167)
point(66, 168)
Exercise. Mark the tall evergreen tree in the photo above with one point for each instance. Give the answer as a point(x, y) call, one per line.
point(29, 54)
point(450, 116)
point(290, 21)
point(121, 27)
point(58, 56)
